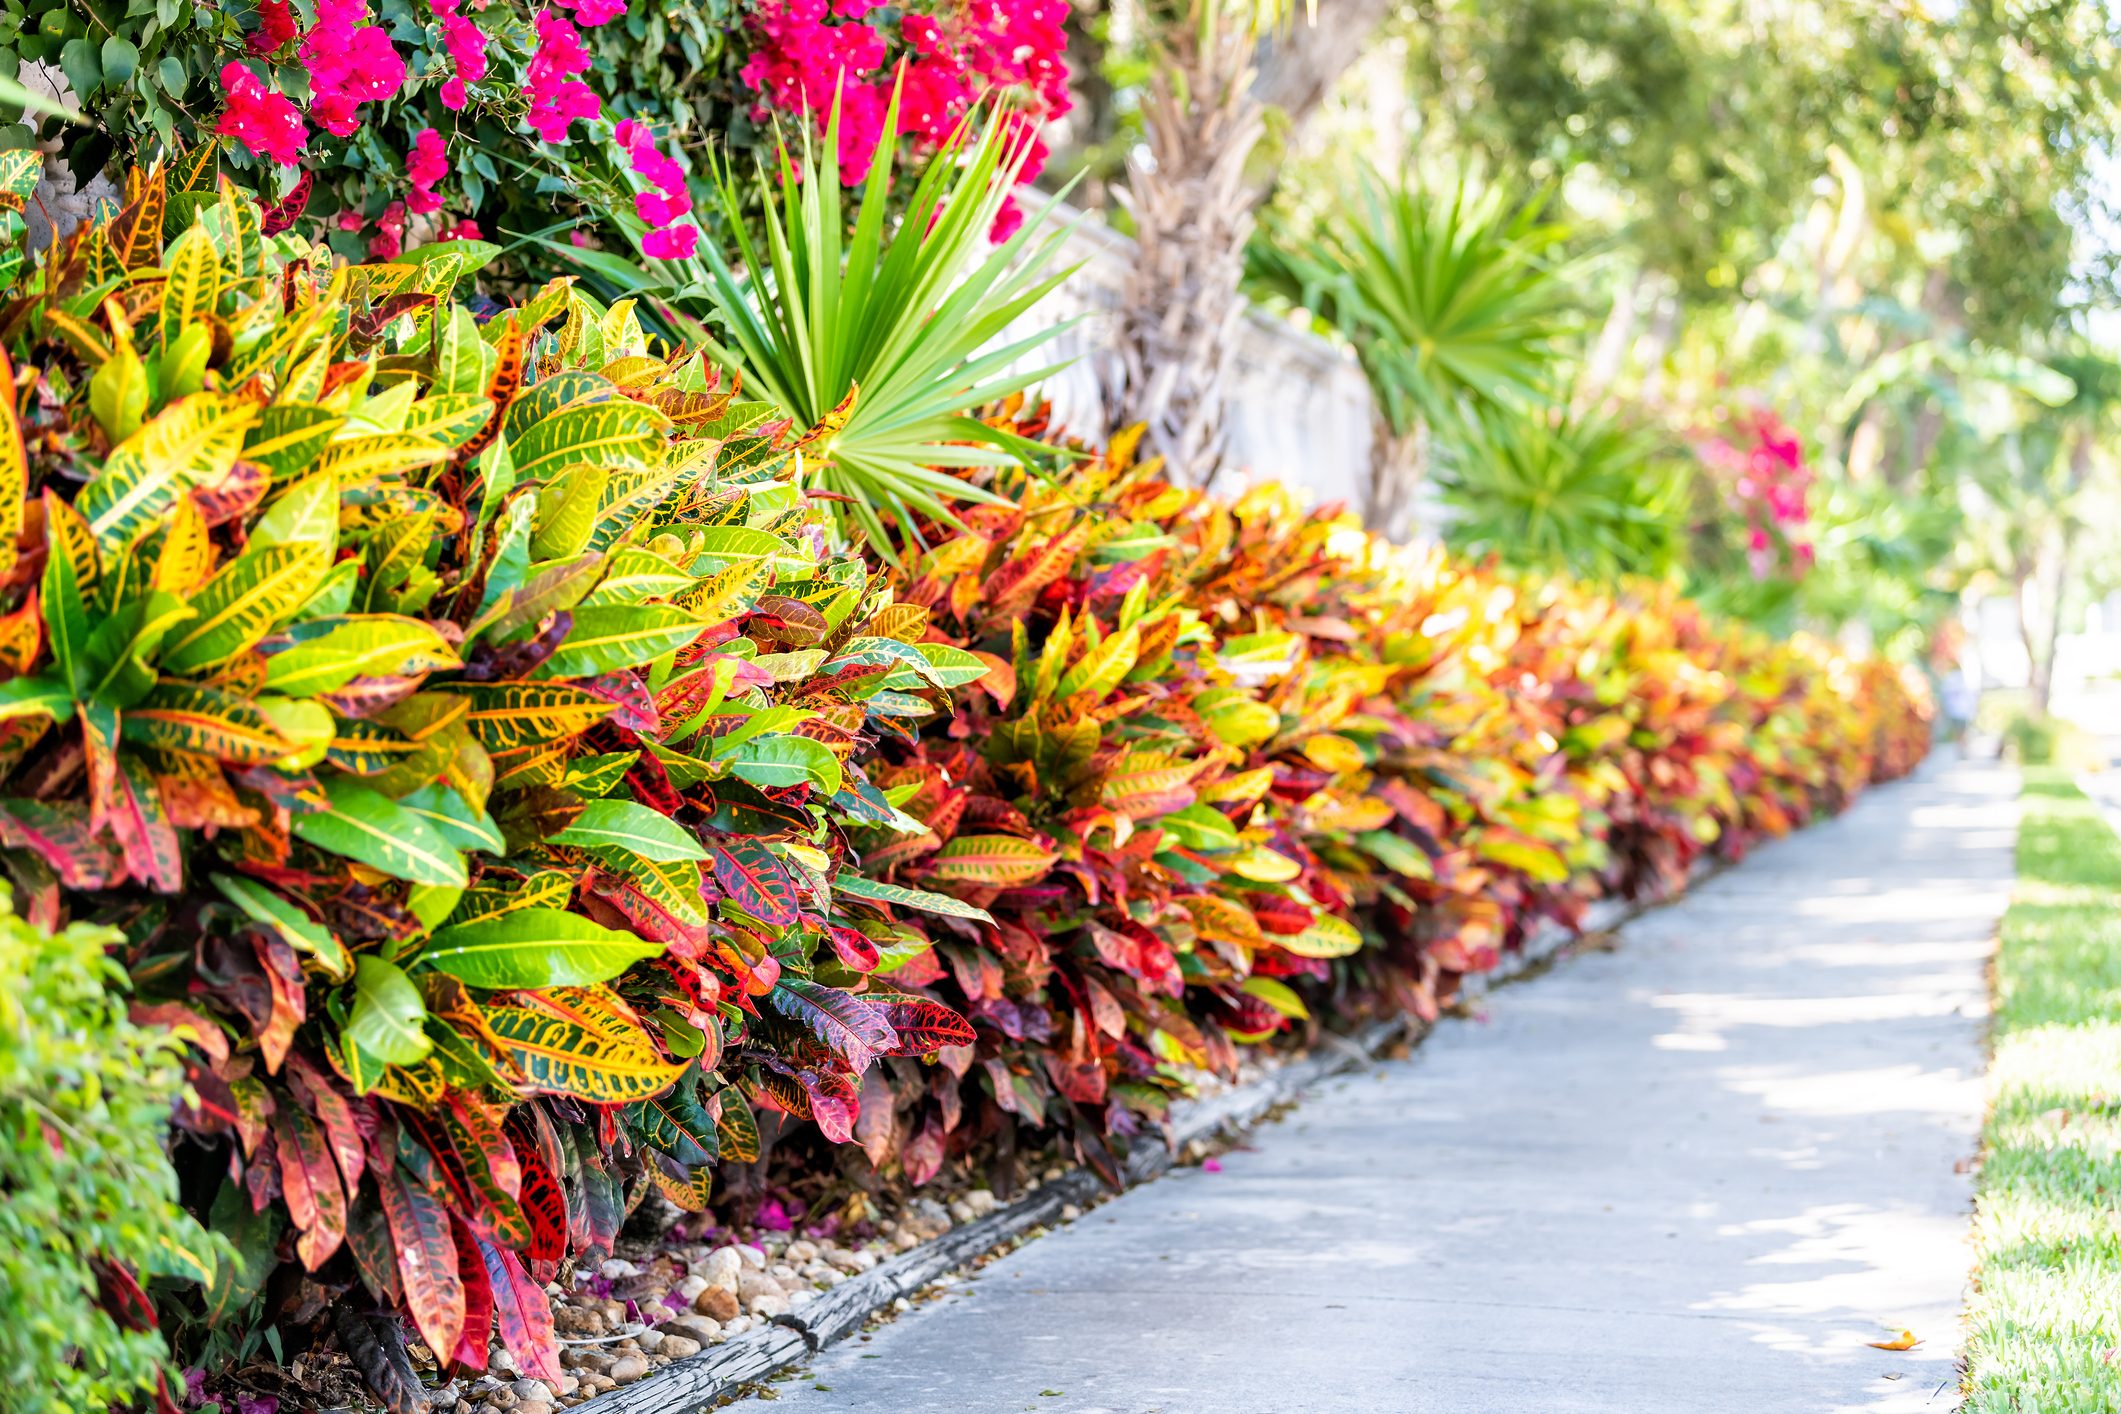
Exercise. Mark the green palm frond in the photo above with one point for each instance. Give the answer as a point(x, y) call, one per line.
point(1585, 492)
point(1447, 288)
point(905, 314)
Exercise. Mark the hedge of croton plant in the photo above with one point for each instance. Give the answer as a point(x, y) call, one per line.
point(514, 793)
point(1237, 765)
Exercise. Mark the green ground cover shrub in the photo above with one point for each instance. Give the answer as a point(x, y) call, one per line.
point(88, 1200)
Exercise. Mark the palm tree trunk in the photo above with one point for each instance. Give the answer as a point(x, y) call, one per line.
point(1399, 464)
point(1192, 207)
point(2043, 673)
point(1298, 74)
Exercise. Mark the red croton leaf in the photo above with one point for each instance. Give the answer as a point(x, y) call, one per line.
point(470, 1353)
point(309, 1180)
point(544, 1203)
point(120, 1295)
point(835, 1103)
point(320, 1094)
point(522, 1317)
point(427, 1258)
point(146, 837)
point(854, 950)
point(59, 833)
point(284, 212)
point(922, 1024)
point(283, 971)
point(858, 1031)
point(754, 879)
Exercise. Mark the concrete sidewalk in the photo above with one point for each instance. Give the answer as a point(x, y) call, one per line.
point(1695, 1173)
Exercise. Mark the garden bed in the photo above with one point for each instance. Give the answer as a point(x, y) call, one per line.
point(522, 794)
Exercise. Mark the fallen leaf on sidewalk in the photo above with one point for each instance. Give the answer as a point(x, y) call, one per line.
point(1908, 1341)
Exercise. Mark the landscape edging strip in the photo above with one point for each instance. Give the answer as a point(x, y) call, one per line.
point(698, 1382)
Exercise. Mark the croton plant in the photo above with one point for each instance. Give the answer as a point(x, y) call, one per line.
point(458, 720)
point(520, 796)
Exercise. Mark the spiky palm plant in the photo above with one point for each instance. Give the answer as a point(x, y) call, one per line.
point(888, 325)
point(1584, 492)
point(1447, 288)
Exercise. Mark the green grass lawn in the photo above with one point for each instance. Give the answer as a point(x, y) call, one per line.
point(2045, 1321)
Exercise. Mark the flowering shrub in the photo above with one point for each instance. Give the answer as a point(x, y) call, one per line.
point(1758, 470)
point(466, 119)
point(812, 60)
point(1232, 760)
point(518, 797)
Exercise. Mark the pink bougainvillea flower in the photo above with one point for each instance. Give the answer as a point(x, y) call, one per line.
point(276, 27)
point(1008, 220)
point(557, 98)
point(351, 62)
point(672, 200)
point(671, 243)
point(465, 230)
point(266, 122)
point(812, 56)
point(428, 162)
point(465, 43)
point(659, 210)
point(389, 238)
point(594, 12)
point(351, 219)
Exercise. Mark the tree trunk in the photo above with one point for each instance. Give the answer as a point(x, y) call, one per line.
point(1192, 205)
point(1866, 447)
point(1192, 209)
point(1297, 73)
point(1615, 336)
point(2041, 676)
point(1946, 317)
point(1656, 343)
point(2043, 673)
point(1399, 464)
point(2025, 591)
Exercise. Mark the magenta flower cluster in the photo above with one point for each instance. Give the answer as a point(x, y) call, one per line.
point(1765, 480)
point(667, 202)
point(809, 55)
point(815, 54)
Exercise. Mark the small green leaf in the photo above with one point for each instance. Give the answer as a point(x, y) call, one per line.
point(387, 1013)
point(534, 947)
point(621, 824)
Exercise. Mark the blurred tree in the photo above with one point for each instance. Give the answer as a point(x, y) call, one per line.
point(2048, 487)
point(1697, 132)
point(1190, 193)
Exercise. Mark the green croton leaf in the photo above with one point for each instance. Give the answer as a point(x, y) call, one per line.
point(534, 947)
point(374, 830)
point(623, 825)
